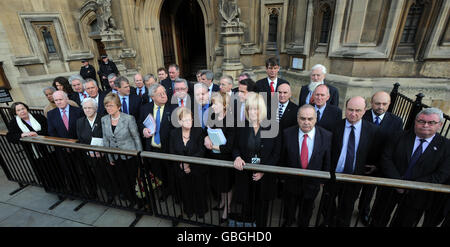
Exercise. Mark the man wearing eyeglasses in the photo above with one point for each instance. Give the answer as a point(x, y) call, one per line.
point(420, 154)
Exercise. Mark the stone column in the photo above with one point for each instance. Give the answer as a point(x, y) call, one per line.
point(231, 38)
point(232, 33)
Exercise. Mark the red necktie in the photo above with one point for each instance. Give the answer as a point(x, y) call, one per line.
point(65, 119)
point(140, 92)
point(84, 95)
point(182, 104)
point(272, 89)
point(311, 100)
point(304, 152)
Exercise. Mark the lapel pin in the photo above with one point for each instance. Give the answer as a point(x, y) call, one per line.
point(435, 148)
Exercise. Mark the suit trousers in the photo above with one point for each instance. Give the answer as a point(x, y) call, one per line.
point(125, 172)
point(305, 205)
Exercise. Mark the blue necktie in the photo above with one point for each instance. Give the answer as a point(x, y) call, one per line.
point(377, 120)
point(415, 157)
point(350, 157)
point(204, 108)
point(318, 115)
point(124, 106)
point(158, 122)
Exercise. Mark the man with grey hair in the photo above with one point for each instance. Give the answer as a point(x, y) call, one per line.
point(201, 105)
point(420, 154)
point(111, 79)
point(318, 74)
point(226, 85)
point(94, 93)
point(207, 78)
point(76, 81)
point(181, 96)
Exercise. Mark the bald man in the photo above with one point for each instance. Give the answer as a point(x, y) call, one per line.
point(389, 125)
point(63, 119)
point(352, 145)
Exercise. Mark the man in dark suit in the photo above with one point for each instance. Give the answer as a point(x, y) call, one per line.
point(352, 143)
point(238, 103)
point(181, 97)
point(207, 78)
point(87, 70)
point(420, 154)
point(112, 87)
point(389, 125)
point(269, 85)
point(106, 68)
point(79, 94)
point(158, 141)
point(226, 85)
point(287, 110)
point(327, 115)
point(131, 103)
point(93, 91)
point(141, 89)
point(305, 146)
point(318, 73)
point(169, 82)
point(62, 122)
point(201, 105)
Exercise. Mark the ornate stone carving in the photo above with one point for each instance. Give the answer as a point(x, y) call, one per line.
point(229, 10)
point(104, 16)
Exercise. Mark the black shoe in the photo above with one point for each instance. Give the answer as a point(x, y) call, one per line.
point(287, 223)
point(110, 199)
point(222, 220)
point(365, 220)
point(217, 208)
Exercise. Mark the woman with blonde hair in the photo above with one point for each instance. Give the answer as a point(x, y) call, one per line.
point(254, 190)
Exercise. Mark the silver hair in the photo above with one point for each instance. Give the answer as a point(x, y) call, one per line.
point(227, 78)
point(89, 80)
point(317, 66)
point(209, 74)
point(323, 85)
point(64, 94)
point(112, 75)
point(201, 85)
point(76, 77)
point(87, 100)
point(182, 80)
point(49, 88)
point(431, 111)
point(152, 89)
point(148, 76)
point(305, 106)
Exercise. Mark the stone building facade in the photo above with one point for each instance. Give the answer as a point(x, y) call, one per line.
point(367, 45)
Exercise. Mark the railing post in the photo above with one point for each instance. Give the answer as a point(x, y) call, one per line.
point(416, 108)
point(394, 94)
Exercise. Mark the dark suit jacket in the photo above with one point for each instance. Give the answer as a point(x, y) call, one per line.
point(333, 100)
point(365, 147)
point(88, 72)
point(75, 97)
point(167, 83)
point(289, 117)
point(330, 116)
point(85, 132)
point(263, 86)
point(269, 155)
point(320, 160)
point(165, 126)
point(134, 108)
point(433, 165)
point(101, 106)
point(215, 88)
point(194, 147)
point(56, 125)
point(14, 132)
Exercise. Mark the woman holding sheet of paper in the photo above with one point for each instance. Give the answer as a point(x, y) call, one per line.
point(253, 144)
point(220, 142)
point(190, 182)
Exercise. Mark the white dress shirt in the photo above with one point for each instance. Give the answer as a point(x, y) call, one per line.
point(341, 162)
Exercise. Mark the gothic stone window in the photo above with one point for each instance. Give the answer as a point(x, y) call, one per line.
point(325, 29)
point(273, 26)
point(412, 23)
point(46, 35)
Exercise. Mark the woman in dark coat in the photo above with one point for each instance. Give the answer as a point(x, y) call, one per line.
point(254, 190)
point(222, 179)
point(25, 124)
point(190, 180)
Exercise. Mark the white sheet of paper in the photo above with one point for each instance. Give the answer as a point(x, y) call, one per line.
point(96, 141)
point(150, 124)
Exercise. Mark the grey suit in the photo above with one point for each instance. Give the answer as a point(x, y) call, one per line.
point(125, 136)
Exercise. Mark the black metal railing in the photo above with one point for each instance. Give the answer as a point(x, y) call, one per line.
point(407, 109)
point(84, 172)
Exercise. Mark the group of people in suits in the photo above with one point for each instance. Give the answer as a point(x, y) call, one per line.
point(311, 135)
